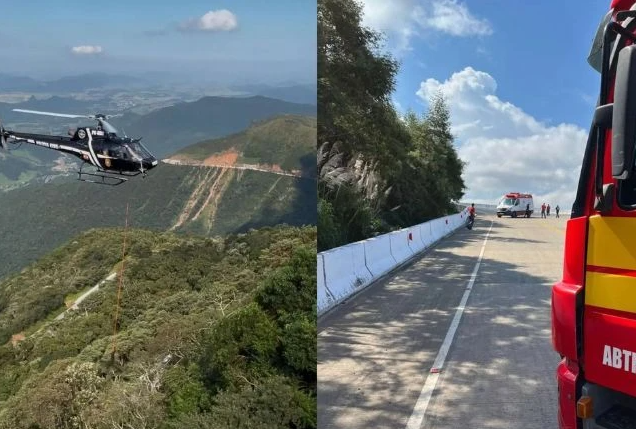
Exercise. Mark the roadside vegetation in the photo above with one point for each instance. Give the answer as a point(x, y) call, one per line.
point(211, 333)
point(377, 171)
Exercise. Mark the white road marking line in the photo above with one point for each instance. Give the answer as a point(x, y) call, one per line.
point(417, 419)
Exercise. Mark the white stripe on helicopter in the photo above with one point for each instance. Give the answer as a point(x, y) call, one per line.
point(90, 147)
point(53, 146)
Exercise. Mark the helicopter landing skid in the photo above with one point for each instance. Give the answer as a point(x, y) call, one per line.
point(130, 173)
point(105, 179)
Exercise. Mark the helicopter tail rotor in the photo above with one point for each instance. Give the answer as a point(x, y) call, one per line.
point(3, 138)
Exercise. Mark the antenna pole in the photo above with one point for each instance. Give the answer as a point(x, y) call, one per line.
point(119, 289)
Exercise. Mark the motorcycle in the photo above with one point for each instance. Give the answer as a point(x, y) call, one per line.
point(471, 221)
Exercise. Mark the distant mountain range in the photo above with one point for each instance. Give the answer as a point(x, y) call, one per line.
point(288, 91)
point(78, 83)
point(303, 94)
point(167, 130)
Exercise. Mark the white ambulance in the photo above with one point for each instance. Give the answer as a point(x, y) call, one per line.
point(515, 204)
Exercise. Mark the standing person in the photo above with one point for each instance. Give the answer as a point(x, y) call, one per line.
point(527, 210)
point(471, 216)
point(543, 210)
point(556, 209)
point(547, 210)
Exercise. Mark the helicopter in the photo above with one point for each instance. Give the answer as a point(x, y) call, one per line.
point(115, 158)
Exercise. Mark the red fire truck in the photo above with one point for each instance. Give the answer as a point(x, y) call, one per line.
point(594, 305)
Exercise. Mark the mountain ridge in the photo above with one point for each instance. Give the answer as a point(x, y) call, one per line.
point(283, 144)
point(208, 117)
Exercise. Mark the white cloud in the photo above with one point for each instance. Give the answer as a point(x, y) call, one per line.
point(87, 50)
point(453, 18)
point(214, 20)
point(506, 148)
point(402, 20)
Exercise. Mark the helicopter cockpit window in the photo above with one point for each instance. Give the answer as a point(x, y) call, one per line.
point(118, 153)
point(140, 150)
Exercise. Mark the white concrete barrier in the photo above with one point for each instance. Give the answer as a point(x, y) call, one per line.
point(426, 235)
point(400, 245)
point(325, 299)
point(363, 275)
point(345, 270)
point(340, 274)
point(437, 229)
point(378, 255)
point(448, 227)
point(443, 225)
point(415, 239)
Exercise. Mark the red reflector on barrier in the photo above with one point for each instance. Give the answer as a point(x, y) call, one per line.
point(446, 221)
point(410, 236)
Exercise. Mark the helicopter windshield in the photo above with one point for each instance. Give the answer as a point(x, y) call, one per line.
point(139, 149)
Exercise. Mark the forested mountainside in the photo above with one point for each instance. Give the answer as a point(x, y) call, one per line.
point(197, 200)
point(282, 143)
point(209, 333)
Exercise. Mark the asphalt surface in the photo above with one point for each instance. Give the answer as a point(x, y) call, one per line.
point(376, 351)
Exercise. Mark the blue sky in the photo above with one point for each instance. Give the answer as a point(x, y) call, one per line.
point(542, 69)
point(273, 40)
point(520, 91)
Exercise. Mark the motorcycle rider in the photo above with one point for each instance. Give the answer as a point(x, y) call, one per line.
point(471, 215)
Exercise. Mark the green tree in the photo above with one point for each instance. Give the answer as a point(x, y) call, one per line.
point(355, 81)
point(431, 178)
point(185, 393)
point(439, 126)
point(361, 139)
point(376, 171)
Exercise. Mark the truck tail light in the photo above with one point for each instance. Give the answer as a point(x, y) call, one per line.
point(584, 408)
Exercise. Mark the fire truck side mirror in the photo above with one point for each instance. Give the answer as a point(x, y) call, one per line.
point(624, 114)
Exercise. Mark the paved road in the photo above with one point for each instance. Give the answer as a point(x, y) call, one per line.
point(376, 351)
point(85, 295)
point(236, 167)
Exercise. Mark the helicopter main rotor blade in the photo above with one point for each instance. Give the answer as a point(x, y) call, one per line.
point(61, 115)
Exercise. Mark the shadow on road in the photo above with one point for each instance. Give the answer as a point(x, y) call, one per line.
point(375, 352)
